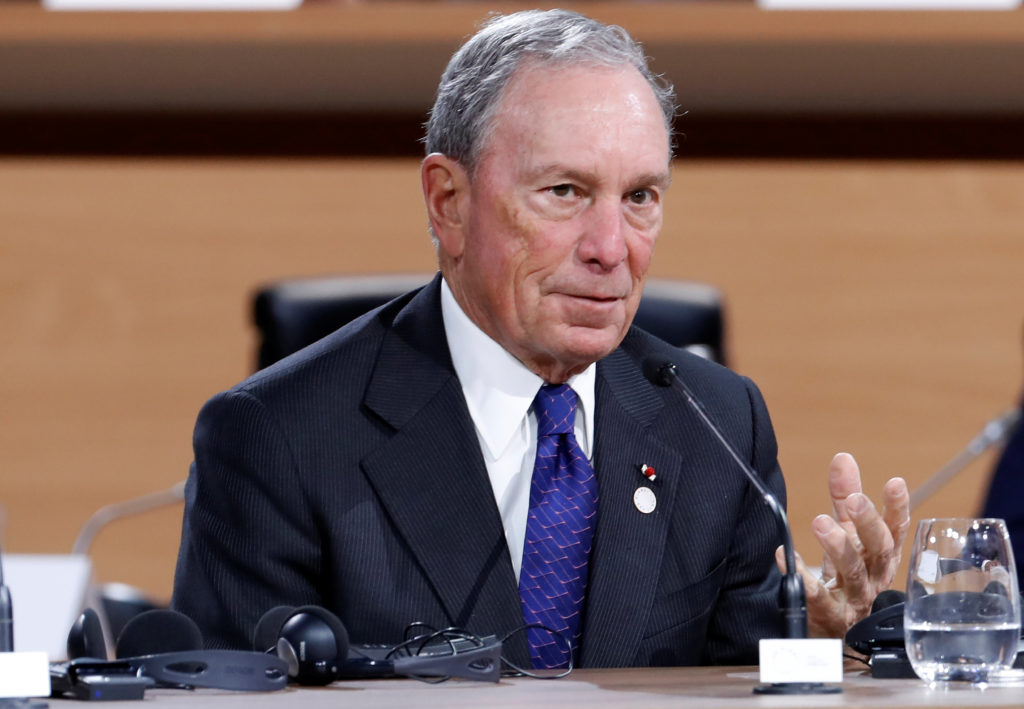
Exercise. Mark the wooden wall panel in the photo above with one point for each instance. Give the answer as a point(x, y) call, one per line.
point(723, 57)
point(878, 305)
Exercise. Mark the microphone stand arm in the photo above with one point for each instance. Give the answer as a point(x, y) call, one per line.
point(995, 431)
point(792, 596)
point(137, 505)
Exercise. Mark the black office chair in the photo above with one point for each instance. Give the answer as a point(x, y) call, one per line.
point(293, 313)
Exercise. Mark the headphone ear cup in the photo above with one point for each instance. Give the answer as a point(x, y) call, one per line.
point(268, 629)
point(158, 631)
point(313, 641)
point(85, 639)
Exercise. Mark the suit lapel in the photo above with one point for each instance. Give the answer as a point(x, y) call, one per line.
point(430, 475)
point(626, 564)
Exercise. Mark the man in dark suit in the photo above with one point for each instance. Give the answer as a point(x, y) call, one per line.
point(393, 472)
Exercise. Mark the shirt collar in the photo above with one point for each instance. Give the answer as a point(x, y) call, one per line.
point(499, 389)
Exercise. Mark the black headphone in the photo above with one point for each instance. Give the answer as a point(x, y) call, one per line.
point(311, 640)
point(883, 628)
point(880, 635)
point(163, 647)
point(314, 644)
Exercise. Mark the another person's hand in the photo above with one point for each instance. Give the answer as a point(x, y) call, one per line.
point(861, 549)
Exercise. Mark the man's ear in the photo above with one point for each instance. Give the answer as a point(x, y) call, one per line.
point(446, 192)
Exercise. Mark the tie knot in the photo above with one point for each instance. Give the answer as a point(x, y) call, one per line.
point(555, 407)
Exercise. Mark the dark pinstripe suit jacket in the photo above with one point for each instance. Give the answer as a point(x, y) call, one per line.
point(349, 476)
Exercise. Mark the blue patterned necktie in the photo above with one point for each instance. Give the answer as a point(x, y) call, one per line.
point(559, 529)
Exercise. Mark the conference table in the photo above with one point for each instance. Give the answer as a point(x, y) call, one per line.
point(635, 688)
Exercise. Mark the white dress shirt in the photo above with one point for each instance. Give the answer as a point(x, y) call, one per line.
point(499, 391)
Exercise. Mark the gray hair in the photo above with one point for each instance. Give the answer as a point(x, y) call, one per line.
point(478, 73)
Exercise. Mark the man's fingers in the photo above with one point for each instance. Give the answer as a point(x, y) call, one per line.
point(846, 553)
point(861, 546)
point(875, 537)
point(896, 511)
point(828, 569)
point(843, 481)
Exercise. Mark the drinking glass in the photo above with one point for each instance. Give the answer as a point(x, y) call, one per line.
point(961, 620)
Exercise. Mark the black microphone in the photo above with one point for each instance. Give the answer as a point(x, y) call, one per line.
point(6, 616)
point(792, 598)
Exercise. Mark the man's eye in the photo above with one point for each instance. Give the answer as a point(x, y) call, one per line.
point(562, 190)
point(643, 196)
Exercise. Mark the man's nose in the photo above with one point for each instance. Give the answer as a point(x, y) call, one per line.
point(603, 241)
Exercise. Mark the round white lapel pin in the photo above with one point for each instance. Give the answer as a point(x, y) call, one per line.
point(645, 500)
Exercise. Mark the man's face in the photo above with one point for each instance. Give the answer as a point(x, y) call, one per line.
point(562, 215)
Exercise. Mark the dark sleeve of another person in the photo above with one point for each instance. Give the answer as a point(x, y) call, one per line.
point(1006, 494)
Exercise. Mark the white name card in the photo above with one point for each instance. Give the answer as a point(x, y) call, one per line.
point(24, 674)
point(810, 660)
